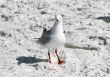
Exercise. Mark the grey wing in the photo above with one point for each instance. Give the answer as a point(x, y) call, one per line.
point(45, 38)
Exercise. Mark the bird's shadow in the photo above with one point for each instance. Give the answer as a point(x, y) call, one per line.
point(70, 45)
point(104, 18)
point(29, 60)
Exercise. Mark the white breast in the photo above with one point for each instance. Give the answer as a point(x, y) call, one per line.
point(57, 37)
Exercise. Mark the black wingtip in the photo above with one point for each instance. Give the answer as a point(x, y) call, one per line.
point(44, 30)
point(39, 40)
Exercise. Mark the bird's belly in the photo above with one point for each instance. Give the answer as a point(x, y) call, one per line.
point(56, 41)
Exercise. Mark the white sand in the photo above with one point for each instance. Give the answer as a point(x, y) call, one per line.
point(86, 53)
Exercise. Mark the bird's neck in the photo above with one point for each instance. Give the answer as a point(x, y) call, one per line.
point(58, 27)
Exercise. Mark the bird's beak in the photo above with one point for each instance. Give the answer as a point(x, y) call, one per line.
point(56, 19)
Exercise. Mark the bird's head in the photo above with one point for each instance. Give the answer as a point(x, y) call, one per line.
point(58, 18)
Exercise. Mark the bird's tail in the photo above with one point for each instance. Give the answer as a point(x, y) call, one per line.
point(37, 40)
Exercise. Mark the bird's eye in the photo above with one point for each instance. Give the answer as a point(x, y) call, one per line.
point(57, 20)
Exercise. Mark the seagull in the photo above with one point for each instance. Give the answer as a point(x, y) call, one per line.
point(54, 37)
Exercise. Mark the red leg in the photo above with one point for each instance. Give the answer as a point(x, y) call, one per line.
point(59, 61)
point(49, 56)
